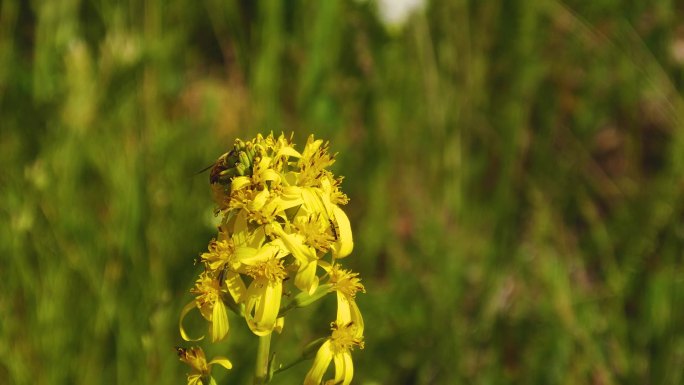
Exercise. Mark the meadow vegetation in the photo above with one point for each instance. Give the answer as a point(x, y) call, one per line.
point(515, 172)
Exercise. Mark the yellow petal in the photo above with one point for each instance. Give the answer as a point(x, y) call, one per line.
point(344, 368)
point(259, 200)
point(236, 287)
point(345, 243)
point(263, 254)
point(343, 310)
point(356, 318)
point(240, 254)
point(306, 279)
point(324, 199)
point(295, 245)
point(288, 151)
point(223, 361)
point(219, 321)
point(348, 312)
point(239, 182)
point(184, 312)
point(237, 227)
point(292, 193)
point(312, 202)
point(270, 175)
point(265, 304)
point(195, 379)
point(320, 364)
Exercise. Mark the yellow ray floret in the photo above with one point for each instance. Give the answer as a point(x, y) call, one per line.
point(336, 348)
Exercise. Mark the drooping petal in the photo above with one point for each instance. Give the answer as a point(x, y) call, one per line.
point(344, 368)
point(306, 279)
point(343, 310)
point(236, 287)
point(344, 244)
point(184, 312)
point(312, 202)
point(223, 361)
point(356, 319)
point(320, 364)
point(219, 321)
point(265, 308)
point(295, 244)
point(348, 313)
point(238, 228)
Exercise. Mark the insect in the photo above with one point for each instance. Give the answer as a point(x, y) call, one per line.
point(334, 228)
point(222, 275)
point(182, 352)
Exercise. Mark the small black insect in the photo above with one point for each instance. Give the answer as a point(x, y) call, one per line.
point(334, 229)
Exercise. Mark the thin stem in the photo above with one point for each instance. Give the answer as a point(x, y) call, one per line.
point(288, 366)
point(261, 368)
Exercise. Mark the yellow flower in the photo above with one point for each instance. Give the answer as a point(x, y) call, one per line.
point(317, 201)
point(201, 370)
point(317, 231)
point(347, 284)
point(219, 254)
point(211, 306)
point(305, 256)
point(315, 158)
point(264, 293)
point(336, 348)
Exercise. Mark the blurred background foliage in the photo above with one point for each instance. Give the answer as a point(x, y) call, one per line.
point(514, 167)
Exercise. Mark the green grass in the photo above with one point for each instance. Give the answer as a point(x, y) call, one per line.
point(514, 168)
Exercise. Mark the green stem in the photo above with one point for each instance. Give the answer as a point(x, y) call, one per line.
point(288, 366)
point(261, 368)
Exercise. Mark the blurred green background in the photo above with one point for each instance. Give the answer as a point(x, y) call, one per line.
point(515, 170)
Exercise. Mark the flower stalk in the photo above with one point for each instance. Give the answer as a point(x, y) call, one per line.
point(262, 361)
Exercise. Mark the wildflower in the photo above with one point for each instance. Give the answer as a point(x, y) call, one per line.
point(201, 370)
point(315, 158)
point(219, 254)
point(336, 348)
point(264, 294)
point(305, 256)
point(281, 227)
point(211, 306)
point(347, 284)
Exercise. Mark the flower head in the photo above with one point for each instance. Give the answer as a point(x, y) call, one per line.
point(201, 370)
point(210, 304)
point(336, 348)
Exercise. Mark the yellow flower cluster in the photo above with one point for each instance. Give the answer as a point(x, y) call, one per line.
point(282, 231)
